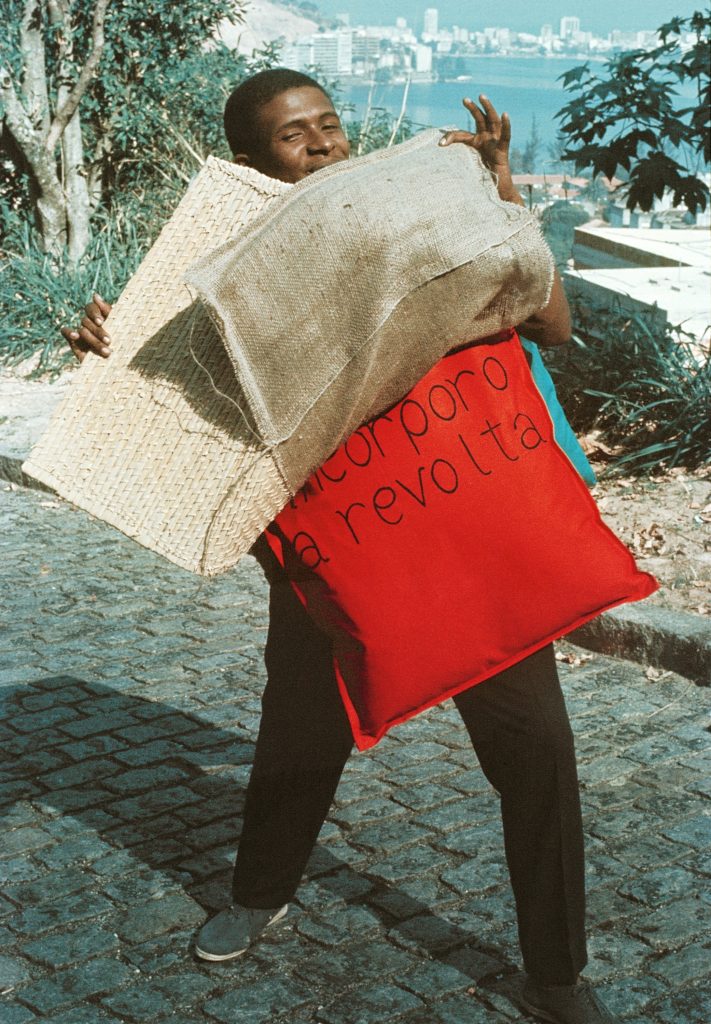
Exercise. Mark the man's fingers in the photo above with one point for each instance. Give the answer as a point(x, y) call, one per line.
point(78, 349)
point(77, 346)
point(457, 136)
point(104, 306)
point(505, 129)
point(96, 329)
point(93, 337)
point(492, 118)
point(479, 118)
point(95, 315)
point(86, 339)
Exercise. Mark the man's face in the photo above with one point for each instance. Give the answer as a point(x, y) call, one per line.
point(300, 133)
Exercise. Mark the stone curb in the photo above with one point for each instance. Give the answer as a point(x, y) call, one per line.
point(652, 635)
point(11, 470)
point(646, 634)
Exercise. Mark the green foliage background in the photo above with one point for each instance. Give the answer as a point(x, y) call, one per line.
point(634, 116)
point(645, 389)
point(155, 114)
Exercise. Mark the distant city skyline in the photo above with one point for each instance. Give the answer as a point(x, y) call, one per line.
point(435, 51)
point(519, 15)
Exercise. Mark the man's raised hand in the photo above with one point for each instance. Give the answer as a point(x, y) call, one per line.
point(491, 139)
point(91, 335)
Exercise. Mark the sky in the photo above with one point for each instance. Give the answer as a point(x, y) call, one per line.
point(519, 15)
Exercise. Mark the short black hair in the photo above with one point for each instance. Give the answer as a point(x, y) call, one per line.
point(249, 97)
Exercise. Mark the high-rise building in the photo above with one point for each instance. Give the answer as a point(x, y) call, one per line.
point(366, 52)
point(423, 59)
point(331, 52)
point(298, 55)
point(546, 37)
point(569, 27)
point(431, 24)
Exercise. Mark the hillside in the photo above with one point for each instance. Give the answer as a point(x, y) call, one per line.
point(265, 22)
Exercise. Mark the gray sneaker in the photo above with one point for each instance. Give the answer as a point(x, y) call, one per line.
point(231, 932)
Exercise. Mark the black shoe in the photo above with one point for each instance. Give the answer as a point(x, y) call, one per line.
point(565, 1004)
point(231, 932)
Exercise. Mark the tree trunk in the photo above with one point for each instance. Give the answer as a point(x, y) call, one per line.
point(75, 187)
point(52, 210)
point(63, 203)
point(35, 96)
point(95, 176)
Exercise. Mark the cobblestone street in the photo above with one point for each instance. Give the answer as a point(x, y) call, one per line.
point(131, 697)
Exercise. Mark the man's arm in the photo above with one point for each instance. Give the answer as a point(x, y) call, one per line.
point(550, 325)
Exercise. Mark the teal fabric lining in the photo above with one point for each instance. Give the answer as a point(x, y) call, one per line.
point(562, 430)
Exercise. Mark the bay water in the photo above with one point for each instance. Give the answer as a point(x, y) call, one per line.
point(521, 86)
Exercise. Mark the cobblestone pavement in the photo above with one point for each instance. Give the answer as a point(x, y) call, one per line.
point(131, 701)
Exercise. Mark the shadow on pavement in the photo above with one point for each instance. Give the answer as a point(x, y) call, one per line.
point(163, 788)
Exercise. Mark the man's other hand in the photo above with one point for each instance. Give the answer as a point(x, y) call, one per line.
point(91, 335)
point(492, 140)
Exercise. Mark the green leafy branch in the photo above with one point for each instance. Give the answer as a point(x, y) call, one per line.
point(630, 116)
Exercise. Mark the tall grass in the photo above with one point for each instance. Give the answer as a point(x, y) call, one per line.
point(40, 293)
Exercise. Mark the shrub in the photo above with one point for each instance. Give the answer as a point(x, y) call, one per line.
point(558, 223)
point(646, 389)
point(378, 129)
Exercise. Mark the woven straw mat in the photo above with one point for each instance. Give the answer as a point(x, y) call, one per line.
point(362, 277)
point(142, 440)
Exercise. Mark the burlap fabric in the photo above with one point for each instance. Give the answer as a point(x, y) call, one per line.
point(143, 440)
point(340, 297)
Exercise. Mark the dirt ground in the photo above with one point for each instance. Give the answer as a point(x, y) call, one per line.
point(666, 521)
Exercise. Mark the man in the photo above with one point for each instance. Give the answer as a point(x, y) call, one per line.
point(283, 124)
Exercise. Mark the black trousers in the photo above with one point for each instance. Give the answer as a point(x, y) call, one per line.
point(520, 731)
